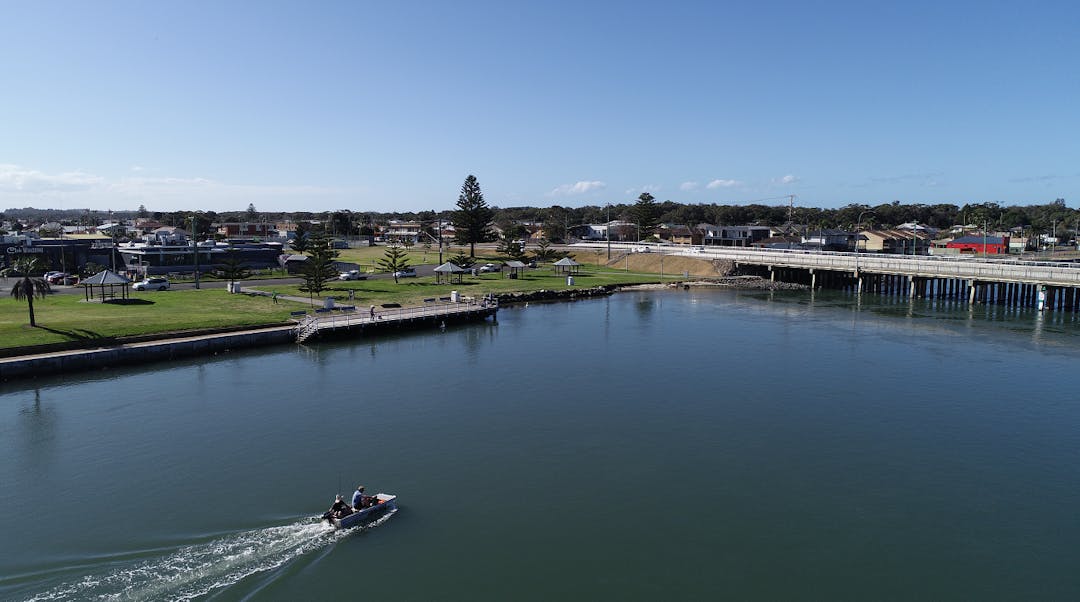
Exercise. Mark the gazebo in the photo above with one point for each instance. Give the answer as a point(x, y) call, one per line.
point(105, 278)
point(566, 266)
point(450, 271)
point(515, 267)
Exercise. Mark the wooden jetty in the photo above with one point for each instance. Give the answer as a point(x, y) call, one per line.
point(350, 320)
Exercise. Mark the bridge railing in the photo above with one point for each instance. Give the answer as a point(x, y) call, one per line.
point(964, 267)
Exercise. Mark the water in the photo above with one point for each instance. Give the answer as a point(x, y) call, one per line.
point(676, 444)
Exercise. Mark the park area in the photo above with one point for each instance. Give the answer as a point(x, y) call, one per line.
point(69, 318)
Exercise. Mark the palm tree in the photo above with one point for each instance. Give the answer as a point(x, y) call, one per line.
point(29, 287)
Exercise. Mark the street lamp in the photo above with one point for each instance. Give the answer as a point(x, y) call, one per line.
point(858, 237)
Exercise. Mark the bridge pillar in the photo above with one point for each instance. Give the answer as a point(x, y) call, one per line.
point(813, 279)
point(971, 292)
point(772, 274)
point(912, 287)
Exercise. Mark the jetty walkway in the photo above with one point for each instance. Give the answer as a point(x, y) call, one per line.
point(350, 319)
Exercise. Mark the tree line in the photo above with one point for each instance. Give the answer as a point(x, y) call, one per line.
point(557, 219)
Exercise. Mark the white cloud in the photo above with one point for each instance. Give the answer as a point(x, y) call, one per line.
point(714, 184)
point(21, 186)
point(688, 186)
point(786, 180)
point(14, 178)
point(577, 188)
point(649, 188)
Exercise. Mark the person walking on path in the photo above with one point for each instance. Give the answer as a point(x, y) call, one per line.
point(372, 312)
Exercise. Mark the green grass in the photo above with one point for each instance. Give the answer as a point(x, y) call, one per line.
point(412, 291)
point(63, 318)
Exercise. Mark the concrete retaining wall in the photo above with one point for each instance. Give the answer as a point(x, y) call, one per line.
point(97, 359)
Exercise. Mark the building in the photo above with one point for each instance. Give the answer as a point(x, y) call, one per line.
point(980, 245)
point(679, 234)
point(829, 239)
point(63, 254)
point(733, 236)
point(145, 259)
point(894, 241)
point(246, 230)
point(398, 231)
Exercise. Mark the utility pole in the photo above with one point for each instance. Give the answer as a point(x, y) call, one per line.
point(607, 231)
point(195, 242)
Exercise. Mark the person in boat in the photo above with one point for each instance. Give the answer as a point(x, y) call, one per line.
point(338, 510)
point(359, 499)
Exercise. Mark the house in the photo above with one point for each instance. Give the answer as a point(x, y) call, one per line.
point(893, 241)
point(829, 239)
point(400, 231)
point(169, 235)
point(980, 245)
point(680, 234)
point(733, 236)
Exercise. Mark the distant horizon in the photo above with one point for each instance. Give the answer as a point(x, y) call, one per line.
point(388, 107)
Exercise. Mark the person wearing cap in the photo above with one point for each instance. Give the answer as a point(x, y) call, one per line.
point(338, 510)
point(358, 498)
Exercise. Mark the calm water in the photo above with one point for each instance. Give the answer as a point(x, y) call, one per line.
point(654, 445)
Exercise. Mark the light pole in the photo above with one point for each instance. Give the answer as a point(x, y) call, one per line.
point(985, 226)
point(195, 242)
point(858, 237)
point(607, 231)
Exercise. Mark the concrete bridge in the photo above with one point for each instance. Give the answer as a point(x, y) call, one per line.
point(1050, 285)
point(1006, 280)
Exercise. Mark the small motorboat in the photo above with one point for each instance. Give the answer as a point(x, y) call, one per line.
point(381, 503)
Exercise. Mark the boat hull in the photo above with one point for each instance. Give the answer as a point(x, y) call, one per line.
point(385, 503)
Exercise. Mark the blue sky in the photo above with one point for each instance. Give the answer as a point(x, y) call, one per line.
point(384, 106)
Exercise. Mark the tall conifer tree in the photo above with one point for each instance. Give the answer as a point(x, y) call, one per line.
point(472, 219)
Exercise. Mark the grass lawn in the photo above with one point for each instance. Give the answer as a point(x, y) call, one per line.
point(412, 291)
point(62, 318)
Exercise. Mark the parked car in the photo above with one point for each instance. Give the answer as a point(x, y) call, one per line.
point(406, 273)
point(352, 275)
point(489, 267)
point(152, 284)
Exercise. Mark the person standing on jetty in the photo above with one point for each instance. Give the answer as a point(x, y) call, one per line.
point(372, 312)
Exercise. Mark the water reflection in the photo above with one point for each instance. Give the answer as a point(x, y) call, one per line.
point(37, 431)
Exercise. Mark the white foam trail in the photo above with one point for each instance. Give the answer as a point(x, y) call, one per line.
point(196, 570)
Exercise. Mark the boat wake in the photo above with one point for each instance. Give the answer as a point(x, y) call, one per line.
point(199, 569)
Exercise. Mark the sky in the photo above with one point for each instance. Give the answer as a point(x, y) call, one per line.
point(388, 106)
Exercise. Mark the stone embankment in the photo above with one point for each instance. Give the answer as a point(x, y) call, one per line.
point(561, 295)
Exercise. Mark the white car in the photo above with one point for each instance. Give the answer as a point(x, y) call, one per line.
point(152, 284)
point(489, 267)
point(406, 273)
point(352, 275)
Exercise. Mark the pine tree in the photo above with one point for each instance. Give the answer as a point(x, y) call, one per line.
point(473, 217)
point(394, 260)
point(319, 267)
point(646, 214)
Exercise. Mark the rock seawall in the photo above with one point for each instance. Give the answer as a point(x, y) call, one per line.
point(560, 295)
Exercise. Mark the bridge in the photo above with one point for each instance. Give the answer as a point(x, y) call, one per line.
point(1046, 284)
